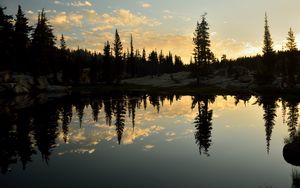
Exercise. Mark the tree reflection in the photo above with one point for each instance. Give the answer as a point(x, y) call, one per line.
point(120, 112)
point(269, 106)
point(24, 142)
point(203, 122)
point(45, 128)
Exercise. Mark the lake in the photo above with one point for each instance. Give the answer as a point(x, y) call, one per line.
point(147, 140)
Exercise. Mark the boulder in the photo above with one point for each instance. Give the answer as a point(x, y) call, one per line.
point(5, 76)
point(42, 83)
point(291, 153)
point(24, 84)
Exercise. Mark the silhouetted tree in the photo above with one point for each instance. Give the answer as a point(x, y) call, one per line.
point(118, 48)
point(21, 41)
point(107, 64)
point(291, 58)
point(265, 74)
point(153, 62)
point(202, 53)
point(63, 45)
point(268, 43)
point(43, 42)
point(6, 40)
point(132, 60)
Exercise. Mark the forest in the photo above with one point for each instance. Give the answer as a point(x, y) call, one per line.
point(35, 51)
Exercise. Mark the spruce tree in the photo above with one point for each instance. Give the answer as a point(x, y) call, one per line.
point(291, 64)
point(21, 40)
point(291, 41)
point(132, 59)
point(118, 48)
point(265, 73)
point(63, 46)
point(43, 42)
point(107, 66)
point(268, 43)
point(202, 53)
point(6, 40)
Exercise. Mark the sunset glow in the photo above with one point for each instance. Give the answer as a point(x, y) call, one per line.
point(236, 26)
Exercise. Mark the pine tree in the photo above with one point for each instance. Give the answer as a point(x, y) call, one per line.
point(202, 53)
point(291, 64)
point(265, 73)
point(21, 40)
point(107, 70)
point(118, 48)
point(132, 59)
point(291, 41)
point(268, 43)
point(43, 42)
point(63, 45)
point(6, 40)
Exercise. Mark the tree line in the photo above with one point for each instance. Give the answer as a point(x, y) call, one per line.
point(33, 50)
point(283, 66)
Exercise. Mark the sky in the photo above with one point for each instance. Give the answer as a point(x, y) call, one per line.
point(236, 26)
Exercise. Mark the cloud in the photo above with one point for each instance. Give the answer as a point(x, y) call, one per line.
point(74, 4)
point(66, 21)
point(123, 17)
point(102, 28)
point(146, 5)
point(80, 4)
point(168, 17)
point(29, 12)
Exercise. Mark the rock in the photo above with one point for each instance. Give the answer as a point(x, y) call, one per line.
point(5, 76)
point(23, 101)
point(42, 83)
point(24, 84)
point(291, 153)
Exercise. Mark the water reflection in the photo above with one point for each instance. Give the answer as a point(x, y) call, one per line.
point(203, 122)
point(27, 131)
point(269, 106)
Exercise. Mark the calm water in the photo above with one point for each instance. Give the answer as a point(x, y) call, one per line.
point(149, 141)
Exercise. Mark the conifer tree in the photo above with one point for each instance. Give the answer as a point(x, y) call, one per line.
point(63, 46)
point(268, 43)
point(107, 66)
point(291, 64)
point(21, 40)
point(265, 73)
point(6, 39)
point(132, 59)
point(291, 41)
point(202, 53)
point(118, 48)
point(43, 42)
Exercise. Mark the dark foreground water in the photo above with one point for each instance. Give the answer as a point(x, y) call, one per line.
point(149, 141)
